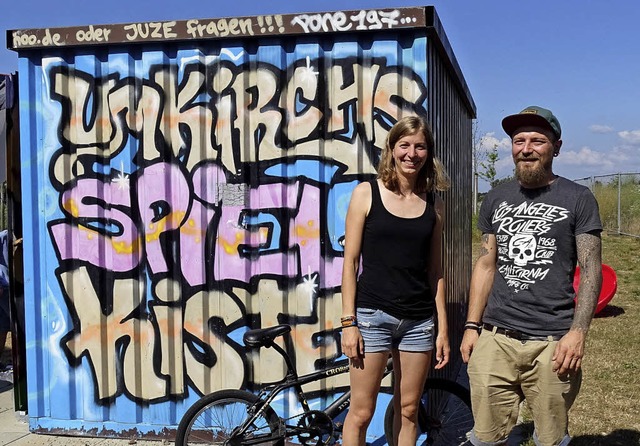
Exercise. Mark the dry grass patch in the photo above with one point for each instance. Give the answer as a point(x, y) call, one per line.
point(607, 411)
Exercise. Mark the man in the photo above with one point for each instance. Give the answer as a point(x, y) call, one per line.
point(523, 337)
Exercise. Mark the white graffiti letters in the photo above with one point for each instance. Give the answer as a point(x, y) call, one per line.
point(219, 28)
point(99, 116)
point(196, 197)
point(339, 21)
point(152, 30)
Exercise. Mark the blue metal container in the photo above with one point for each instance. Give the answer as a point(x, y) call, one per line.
point(184, 181)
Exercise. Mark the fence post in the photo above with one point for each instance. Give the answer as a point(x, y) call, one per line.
point(475, 193)
point(619, 202)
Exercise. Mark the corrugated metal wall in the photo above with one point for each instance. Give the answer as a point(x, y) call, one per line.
point(176, 194)
point(451, 118)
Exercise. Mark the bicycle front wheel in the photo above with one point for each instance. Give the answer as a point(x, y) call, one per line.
point(213, 419)
point(444, 415)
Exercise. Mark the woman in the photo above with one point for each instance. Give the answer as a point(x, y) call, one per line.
point(395, 224)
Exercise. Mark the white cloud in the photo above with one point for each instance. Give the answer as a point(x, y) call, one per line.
point(598, 128)
point(579, 162)
point(630, 137)
point(504, 167)
point(625, 157)
point(587, 162)
point(489, 141)
point(585, 157)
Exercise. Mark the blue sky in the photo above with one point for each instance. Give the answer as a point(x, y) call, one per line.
point(581, 59)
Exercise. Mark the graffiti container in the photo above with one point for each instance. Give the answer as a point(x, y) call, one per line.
point(183, 181)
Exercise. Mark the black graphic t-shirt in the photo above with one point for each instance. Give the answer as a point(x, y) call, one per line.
point(535, 231)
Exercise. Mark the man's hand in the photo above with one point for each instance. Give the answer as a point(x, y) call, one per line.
point(468, 343)
point(567, 357)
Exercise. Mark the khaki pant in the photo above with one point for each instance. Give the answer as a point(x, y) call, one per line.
point(503, 371)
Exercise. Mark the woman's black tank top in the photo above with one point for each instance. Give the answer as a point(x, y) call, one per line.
point(395, 253)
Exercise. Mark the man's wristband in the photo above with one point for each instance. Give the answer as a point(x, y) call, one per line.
point(475, 326)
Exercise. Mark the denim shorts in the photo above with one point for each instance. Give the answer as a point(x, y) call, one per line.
point(382, 332)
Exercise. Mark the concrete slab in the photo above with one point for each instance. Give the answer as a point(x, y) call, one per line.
point(14, 429)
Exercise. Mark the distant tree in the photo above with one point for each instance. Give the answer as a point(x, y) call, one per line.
point(476, 145)
point(488, 166)
point(498, 182)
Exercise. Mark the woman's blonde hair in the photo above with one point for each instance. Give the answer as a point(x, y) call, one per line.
point(432, 176)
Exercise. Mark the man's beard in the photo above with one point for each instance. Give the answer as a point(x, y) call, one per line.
point(528, 176)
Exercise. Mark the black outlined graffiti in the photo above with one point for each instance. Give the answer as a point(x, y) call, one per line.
point(216, 219)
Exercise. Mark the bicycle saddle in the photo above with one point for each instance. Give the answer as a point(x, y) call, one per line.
point(260, 337)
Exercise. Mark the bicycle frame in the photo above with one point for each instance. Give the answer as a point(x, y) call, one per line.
point(262, 424)
point(270, 391)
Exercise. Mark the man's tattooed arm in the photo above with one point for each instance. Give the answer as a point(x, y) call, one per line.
point(483, 248)
point(589, 252)
point(482, 277)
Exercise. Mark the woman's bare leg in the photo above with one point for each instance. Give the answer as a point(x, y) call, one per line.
point(365, 375)
point(410, 371)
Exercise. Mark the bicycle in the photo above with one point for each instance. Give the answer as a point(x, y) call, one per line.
point(238, 417)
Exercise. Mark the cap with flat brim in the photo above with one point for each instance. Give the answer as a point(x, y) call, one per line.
point(532, 117)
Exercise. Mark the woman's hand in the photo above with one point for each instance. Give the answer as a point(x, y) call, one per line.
point(352, 344)
point(443, 351)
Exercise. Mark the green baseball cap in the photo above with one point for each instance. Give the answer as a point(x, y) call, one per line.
point(532, 116)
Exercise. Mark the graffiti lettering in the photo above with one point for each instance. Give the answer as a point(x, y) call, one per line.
point(322, 22)
point(204, 28)
point(375, 19)
point(219, 28)
point(212, 363)
point(225, 212)
point(98, 336)
point(24, 39)
point(167, 110)
point(339, 21)
point(105, 234)
point(150, 30)
point(50, 39)
point(270, 23)
point(212, 358)
point(92, 34)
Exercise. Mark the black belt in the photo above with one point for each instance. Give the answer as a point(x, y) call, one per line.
point(518, 335)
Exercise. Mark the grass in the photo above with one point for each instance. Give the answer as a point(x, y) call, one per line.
point(621, 213)
point(607, 410)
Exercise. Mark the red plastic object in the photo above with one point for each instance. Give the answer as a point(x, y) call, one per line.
point(609, 286)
